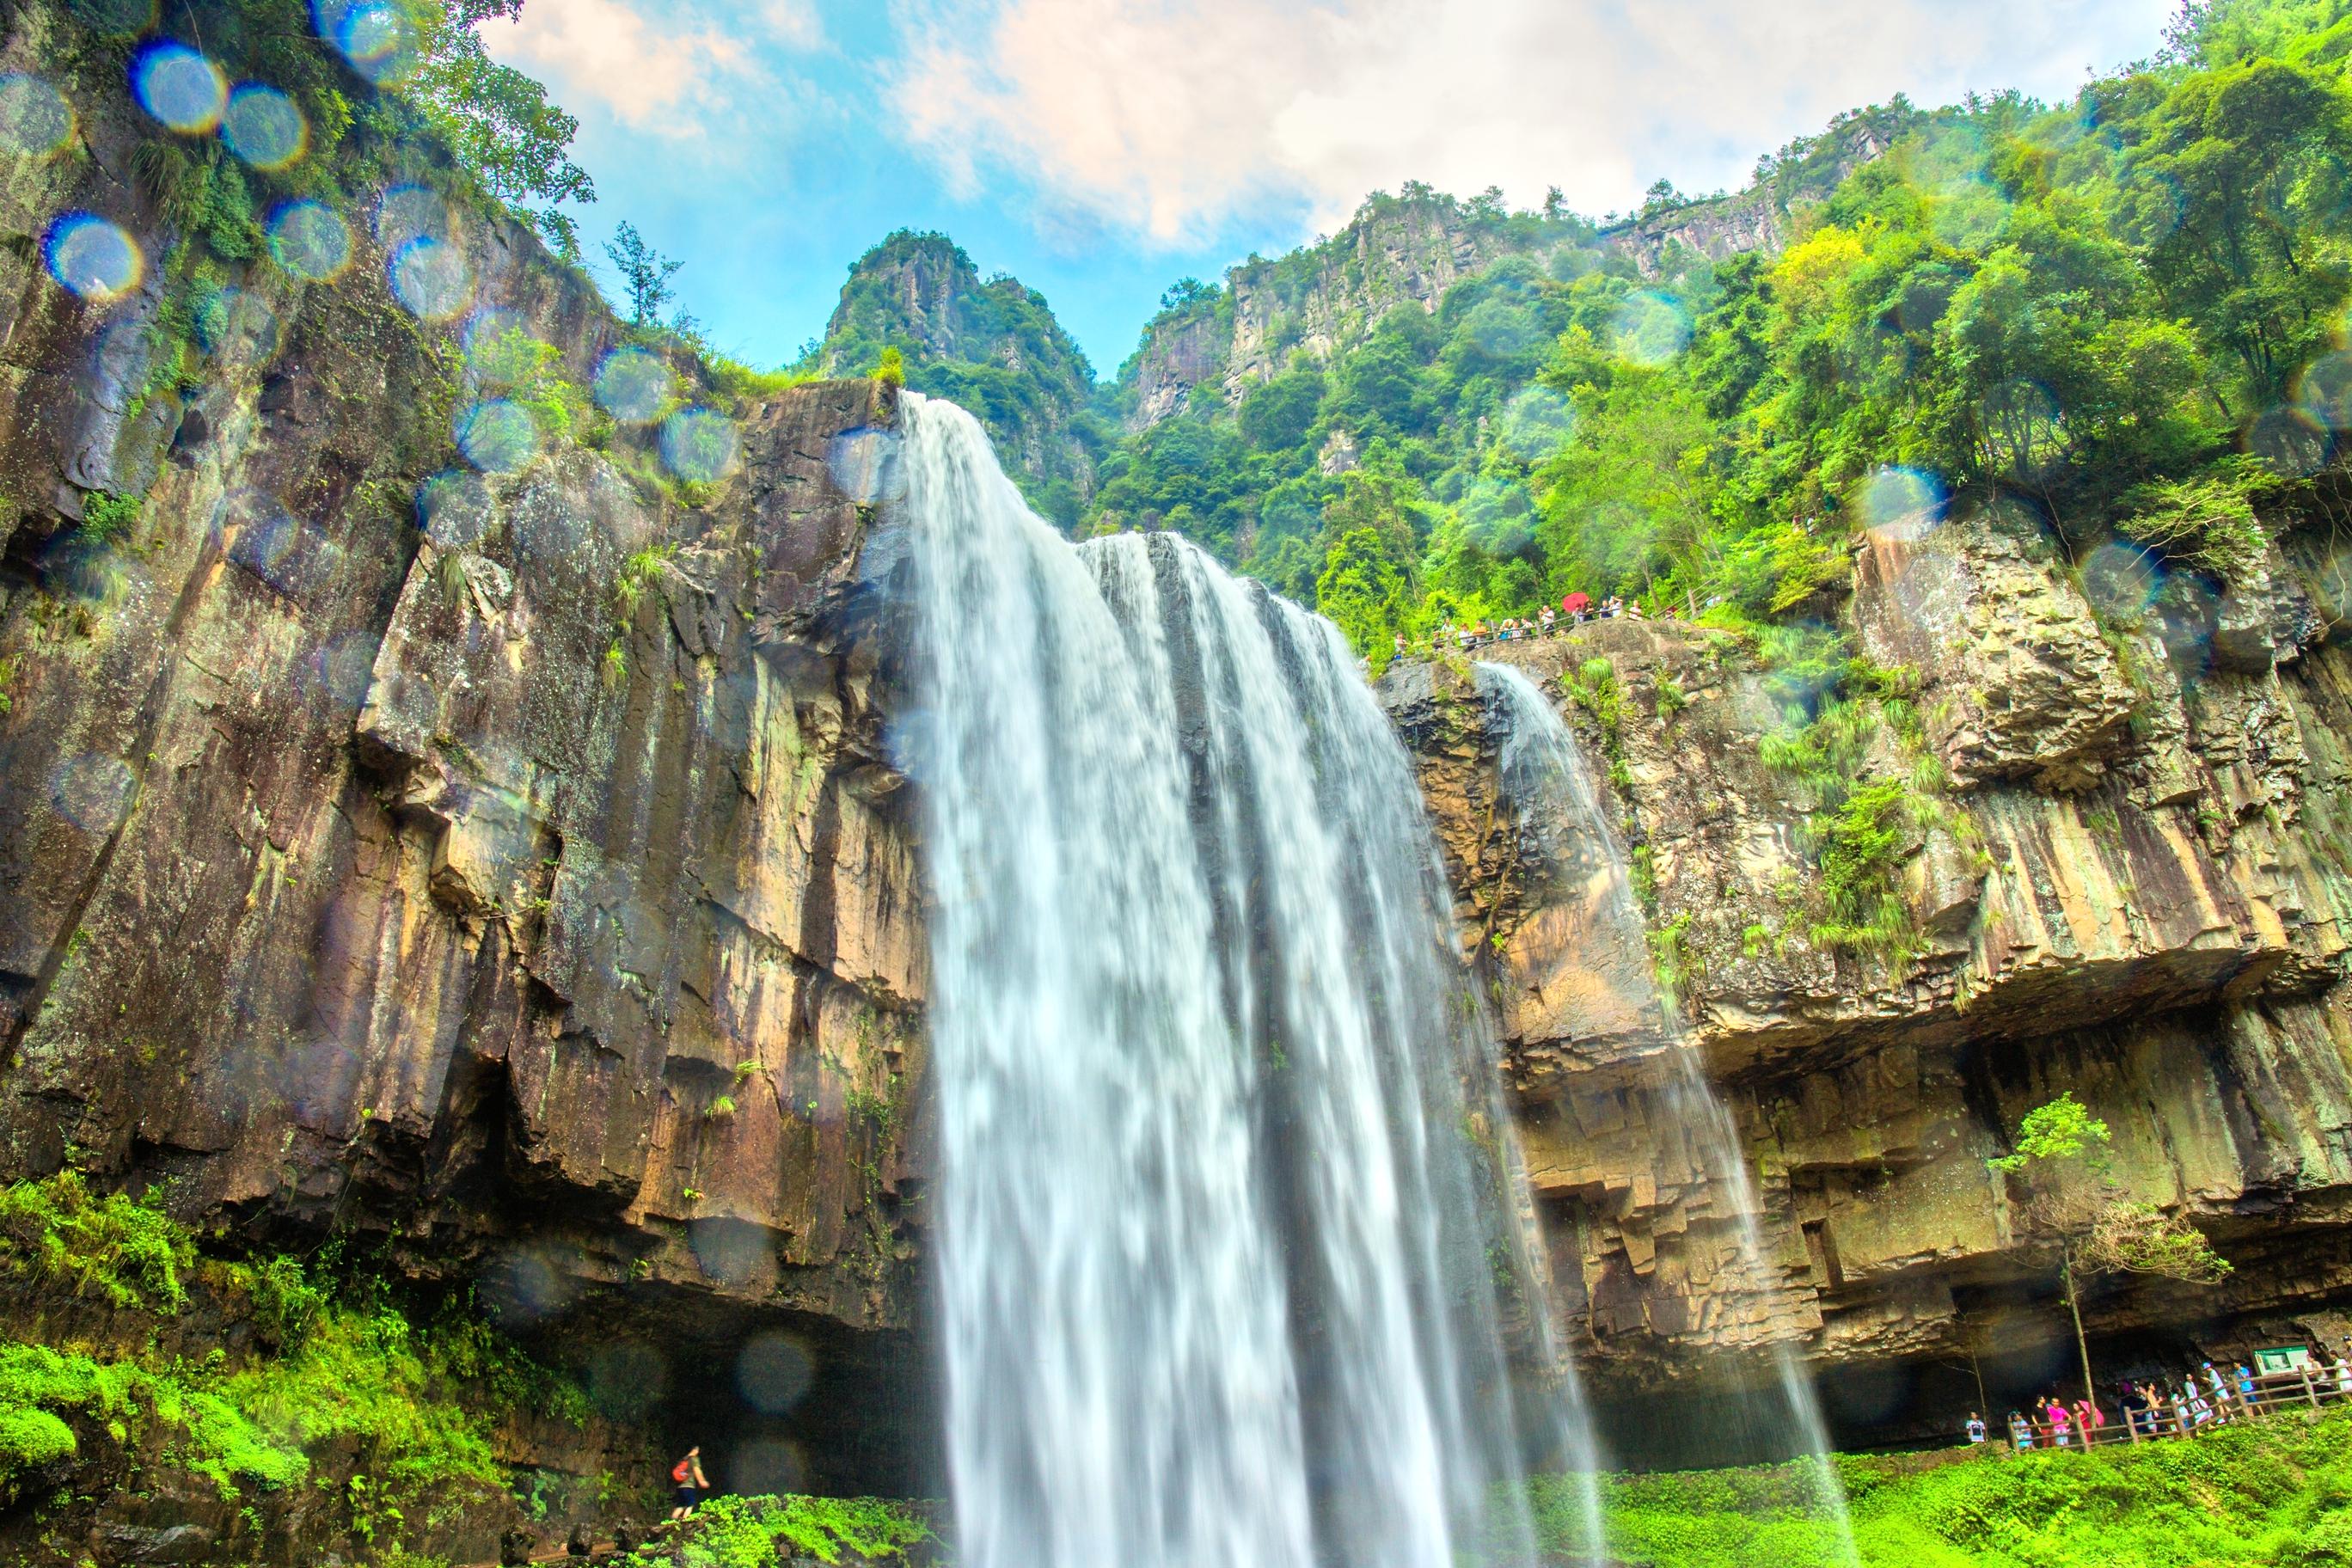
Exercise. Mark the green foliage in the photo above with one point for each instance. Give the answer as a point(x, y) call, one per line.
point(2269, 1493)
point(108, 518)
point(2206, 522)
point(720, 1109)
point(121, 1250)
point(355, 1375)
point(517, 365)
point(889, 366)
point(1362, 590)
point(756, 1531)
point(2060, 1131)
point(497, 122)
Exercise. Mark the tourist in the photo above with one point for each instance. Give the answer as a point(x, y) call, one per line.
point(1976, 1430)
point(2249, 1396)
point(1575, 605)
point(2021, 1434)
point(2194, 1410)
point(2224, 1405)
point(2135, 1408)
point(2088, 1420)
point(1633, 610)
point(2343, 1370)
point(2154, 1394)
point(691, 1482)
point(1551, 621)
point(2055, 1413)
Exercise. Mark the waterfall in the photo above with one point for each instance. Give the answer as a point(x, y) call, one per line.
point(1214, 1228)
point(1543, 775)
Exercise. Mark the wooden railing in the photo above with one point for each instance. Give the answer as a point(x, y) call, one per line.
point(2312, 1388)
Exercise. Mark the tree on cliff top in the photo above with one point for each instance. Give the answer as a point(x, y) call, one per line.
point(2056, 1177)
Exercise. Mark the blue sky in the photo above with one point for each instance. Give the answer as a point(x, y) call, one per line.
point(1101, 149)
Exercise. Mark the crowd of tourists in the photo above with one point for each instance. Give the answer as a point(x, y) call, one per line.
point(2205, 1398)
point(1574, 610)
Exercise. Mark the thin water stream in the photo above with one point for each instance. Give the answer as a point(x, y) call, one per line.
point(1220, 1187)
point(1543, 774)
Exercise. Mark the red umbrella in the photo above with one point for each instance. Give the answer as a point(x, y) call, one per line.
point(1575, 603)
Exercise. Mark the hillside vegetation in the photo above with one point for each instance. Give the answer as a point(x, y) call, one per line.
point(2121, 317)
point(2274, 1494)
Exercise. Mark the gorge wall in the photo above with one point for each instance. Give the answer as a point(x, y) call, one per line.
point(2134, 889)
point(501, 869)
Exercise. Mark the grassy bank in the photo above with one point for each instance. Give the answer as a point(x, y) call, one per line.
point(2273, 1494)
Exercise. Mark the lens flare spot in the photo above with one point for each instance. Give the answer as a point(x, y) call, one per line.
point(627, 1380)
point(631, 385)
point(1899, 504)
point(261, 536)
point(1536, 422)
point(94, 258)
point(497, 435)
point(2121, 580)
point(35, 117)
point(697, 445)
point(455, 508)
point(772, 1372)
point(91, 791)
point(1650, 329)
point(184, 91)
point(430, 277)
point(2288, 442)
point(863, 464)
point(340, 671)
point(409, 213)
point(262, 126)
point(2324, 391)
point(376, 38)
point(309, 240)
point(235, 326)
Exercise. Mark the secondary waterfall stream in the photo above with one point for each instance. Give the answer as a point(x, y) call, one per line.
point(1218, 1230)
point(1543, 775)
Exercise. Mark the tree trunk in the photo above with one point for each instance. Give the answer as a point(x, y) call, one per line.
point(2074, 1307)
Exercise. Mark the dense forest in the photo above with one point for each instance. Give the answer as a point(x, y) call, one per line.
point(2122, 314)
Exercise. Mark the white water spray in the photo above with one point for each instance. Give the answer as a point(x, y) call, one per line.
point(1544, 776)
point(1216, 1280)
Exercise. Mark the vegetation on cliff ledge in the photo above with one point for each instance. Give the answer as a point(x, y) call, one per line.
point(95, 1391)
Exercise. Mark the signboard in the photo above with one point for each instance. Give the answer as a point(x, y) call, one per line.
point(2287, 1358)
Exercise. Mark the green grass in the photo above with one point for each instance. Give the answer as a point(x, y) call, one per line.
point(2277, 1493)
point(758, 1532)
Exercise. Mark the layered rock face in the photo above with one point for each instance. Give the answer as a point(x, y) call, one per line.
point(2133, 889)
point(504, 866)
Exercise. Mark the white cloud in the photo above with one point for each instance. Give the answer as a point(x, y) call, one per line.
point(793, 23)
point(662, 77)
point(1165, 115)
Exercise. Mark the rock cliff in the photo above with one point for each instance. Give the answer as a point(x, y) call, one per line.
point(2125, 878)
point(499, 864)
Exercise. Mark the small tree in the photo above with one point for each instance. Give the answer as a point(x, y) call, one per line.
point(644, 274)
point(2063, 1194)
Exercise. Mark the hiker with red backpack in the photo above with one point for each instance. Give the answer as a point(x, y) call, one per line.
point(691, 1482)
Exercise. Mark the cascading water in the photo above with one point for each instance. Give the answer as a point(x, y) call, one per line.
point(1213, 1233)
point(1544, 776)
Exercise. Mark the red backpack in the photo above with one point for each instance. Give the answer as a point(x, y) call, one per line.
point(681, 1470)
